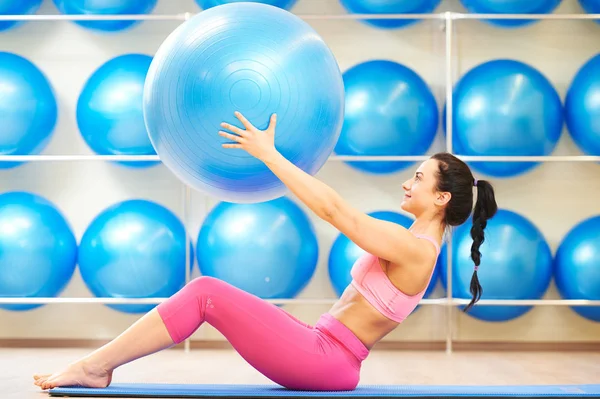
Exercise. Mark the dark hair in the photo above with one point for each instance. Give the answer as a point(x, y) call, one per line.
point(454, 176)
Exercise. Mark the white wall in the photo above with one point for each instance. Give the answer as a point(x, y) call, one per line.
point(555, 196)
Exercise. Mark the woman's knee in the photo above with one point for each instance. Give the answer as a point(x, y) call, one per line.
point(204, 284)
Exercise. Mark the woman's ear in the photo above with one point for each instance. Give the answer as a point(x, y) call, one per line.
point(442, 198)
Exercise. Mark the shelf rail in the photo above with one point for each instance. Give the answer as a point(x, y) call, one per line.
point(441, 16)
point(298, 301)
point(332, 158)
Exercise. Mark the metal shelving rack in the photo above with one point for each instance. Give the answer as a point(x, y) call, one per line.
point(448, 19)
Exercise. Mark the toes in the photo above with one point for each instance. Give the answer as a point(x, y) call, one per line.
point(40, 380)
point(38, 376)
point(54, 382)
point(48, 383)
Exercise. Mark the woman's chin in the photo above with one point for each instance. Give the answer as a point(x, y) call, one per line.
point(407, 206)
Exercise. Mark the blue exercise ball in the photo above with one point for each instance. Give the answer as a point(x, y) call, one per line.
point(591, 7)
point(28, 108)
point(582, 107)
point(268, 249)
point(237, 57)
point(134, 249)
point(38, 250)
point(17, 7)
point(516, 263)
point(577, 266)
point(109, 110)
point(285, 4)
point(104, 7)
point(505, 107)
point(390, 7)
point(510, 7)
point(391, 111)
point(344, 253)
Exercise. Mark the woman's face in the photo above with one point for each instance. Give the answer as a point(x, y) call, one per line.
point(420, 190)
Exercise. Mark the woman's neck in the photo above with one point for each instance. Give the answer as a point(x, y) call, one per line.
point(428, 227)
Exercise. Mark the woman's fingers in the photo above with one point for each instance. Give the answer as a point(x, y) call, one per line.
point(232, 137)
point(232, 146)
point(244, 121)
point(235, 129)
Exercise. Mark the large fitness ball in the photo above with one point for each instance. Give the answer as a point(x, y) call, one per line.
point(591, 7)
point(38, 250)
point(17, 7)
point(516, 263)
point(344, 254)
point(134, 249)
point(109, 110)
point(256, 59)
point(582, 107)
point(505, 107)
point(577, 266)
point(390, 7)
point(103, 7)
point(510, 7)
point(28, 108)
point(390, 110)
point(268, 249)
point(285, 4)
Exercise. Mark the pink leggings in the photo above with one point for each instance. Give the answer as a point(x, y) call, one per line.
point(289, 352)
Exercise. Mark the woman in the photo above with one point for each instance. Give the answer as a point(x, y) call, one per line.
point(388, 282)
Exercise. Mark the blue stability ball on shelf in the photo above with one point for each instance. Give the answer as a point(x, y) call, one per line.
point(17, 7)
point(106, 7)
point(505, 107)
point(285, 4)
point(510, 7)
point(390, 7)
point(516, 263)
point(577, 266)
point(268, 249)
point(134, 249)
point(391, 111)
point(344, 253)
point(582, 107)
point(28, 108)
point(109, 110)
point(591, 7)
point(38, 250)
point(236, 57)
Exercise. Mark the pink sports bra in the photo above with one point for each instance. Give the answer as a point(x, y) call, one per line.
point(371, 281)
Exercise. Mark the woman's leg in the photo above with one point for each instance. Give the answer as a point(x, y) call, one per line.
point(146, 336)
point(284, 349)
point(278, 345)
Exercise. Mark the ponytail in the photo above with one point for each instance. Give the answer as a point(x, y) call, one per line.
point(485, 209)
point(455, 177)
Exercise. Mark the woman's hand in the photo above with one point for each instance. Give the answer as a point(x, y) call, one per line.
point(258, 143)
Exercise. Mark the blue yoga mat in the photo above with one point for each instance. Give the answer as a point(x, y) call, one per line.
point(362, 391)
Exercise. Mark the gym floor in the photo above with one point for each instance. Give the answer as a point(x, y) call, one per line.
point(381, 367)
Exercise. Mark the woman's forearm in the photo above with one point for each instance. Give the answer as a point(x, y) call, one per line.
point(318, 196)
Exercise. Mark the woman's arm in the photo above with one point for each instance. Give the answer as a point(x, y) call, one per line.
point(318, 196)
point(384, 239)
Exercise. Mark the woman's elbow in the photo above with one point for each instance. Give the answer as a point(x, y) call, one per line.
point(327, 213)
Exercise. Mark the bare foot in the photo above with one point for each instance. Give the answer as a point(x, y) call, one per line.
point(80, 373)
